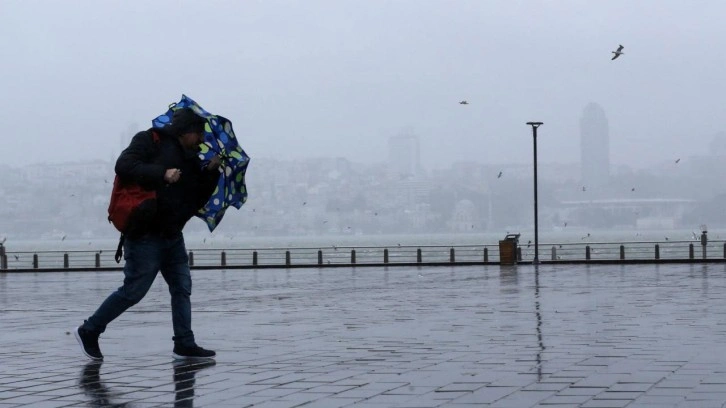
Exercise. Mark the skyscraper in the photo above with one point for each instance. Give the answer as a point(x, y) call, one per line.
point(594, 146)
point(404, 156)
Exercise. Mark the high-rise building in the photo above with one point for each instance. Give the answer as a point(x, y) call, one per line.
point(594, 146)
point(404, 155)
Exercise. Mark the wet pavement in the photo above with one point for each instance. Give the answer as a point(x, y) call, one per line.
point(485, 336)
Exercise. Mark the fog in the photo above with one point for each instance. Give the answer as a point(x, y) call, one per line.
point(317, 80)
point(338, 78)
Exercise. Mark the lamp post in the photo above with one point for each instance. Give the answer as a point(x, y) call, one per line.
point(535, 125)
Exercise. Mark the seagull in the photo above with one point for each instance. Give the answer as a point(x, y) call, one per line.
point(632, 189)
point(464, 102)
point(677, 160)
point(617, 52)
point(499, 175)
point(16, 257)
point(63, 238)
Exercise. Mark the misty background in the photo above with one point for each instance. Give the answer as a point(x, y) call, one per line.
point(350, 111)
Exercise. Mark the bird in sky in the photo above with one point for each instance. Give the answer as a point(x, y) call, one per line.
point(583, 188)
point(617, 52)
point(632, 189)
point(677, 160)
point(464, 102)
point(499, 175)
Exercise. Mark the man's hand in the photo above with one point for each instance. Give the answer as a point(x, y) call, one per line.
point(214, 163)
point(172, 175)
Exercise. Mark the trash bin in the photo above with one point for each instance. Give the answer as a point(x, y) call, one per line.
point(508, 249)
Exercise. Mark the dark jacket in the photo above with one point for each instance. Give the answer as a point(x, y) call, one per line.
point(145, 162)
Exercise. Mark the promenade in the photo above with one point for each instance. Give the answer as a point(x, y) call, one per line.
point(637, 335)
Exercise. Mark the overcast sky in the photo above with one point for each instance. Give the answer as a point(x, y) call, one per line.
point(338, 78)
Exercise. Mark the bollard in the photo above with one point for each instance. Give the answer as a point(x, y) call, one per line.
point(320, 257)
point(622, 252)
point(287, 258)
point(65, 261)
point(554, 253)
point(3, 258)
point(418, 255)
point(690, 251)
point(486, 254)
point(98, 260)
point(35, 261)
point(224, 258)
point(254, 258)
point(657, 251)
point(587, 252)
point(385, 256)
point(452, 255)
point(191, 258)
point(352, 256)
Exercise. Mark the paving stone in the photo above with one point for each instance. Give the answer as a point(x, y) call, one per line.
point(577, 335)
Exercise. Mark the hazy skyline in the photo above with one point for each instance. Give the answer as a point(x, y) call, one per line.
point(338, 78)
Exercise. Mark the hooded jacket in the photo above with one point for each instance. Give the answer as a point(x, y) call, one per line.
point(145, 162)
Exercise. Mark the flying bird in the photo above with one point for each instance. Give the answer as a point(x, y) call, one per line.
point(677, 160)
point(499, 175)
point(632, 189)
point(464, 102)
point(617, 52)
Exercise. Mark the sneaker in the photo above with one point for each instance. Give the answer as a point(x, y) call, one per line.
point(89, 343)
point(185, 353)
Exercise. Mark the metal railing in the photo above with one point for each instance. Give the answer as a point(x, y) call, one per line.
point(336, 256)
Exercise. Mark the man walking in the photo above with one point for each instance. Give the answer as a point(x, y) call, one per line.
point(167, 163)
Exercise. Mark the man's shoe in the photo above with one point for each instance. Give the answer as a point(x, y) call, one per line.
point(89, 343)
point(194, 352)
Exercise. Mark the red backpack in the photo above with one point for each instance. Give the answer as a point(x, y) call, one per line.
point(129, 201)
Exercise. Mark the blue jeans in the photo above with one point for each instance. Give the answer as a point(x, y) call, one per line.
point(145, 257)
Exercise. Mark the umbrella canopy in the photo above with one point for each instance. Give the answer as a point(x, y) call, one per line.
point(219, 140)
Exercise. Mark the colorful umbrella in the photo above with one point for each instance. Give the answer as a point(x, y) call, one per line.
point(219, 140)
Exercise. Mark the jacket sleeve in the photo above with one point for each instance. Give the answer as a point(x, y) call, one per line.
point(135, 162)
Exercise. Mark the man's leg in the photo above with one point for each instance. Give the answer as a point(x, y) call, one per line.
point(143, 260)
point(175, 270)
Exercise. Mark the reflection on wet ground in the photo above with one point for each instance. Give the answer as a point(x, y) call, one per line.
point(514, 336)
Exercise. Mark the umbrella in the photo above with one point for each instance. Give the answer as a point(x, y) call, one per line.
point(219, 140)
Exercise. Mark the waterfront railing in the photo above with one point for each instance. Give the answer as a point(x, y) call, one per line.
point(399, 255)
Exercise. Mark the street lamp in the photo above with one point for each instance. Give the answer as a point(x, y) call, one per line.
point(535, 125)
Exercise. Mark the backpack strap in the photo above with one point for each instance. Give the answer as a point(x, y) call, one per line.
point(120, 249)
